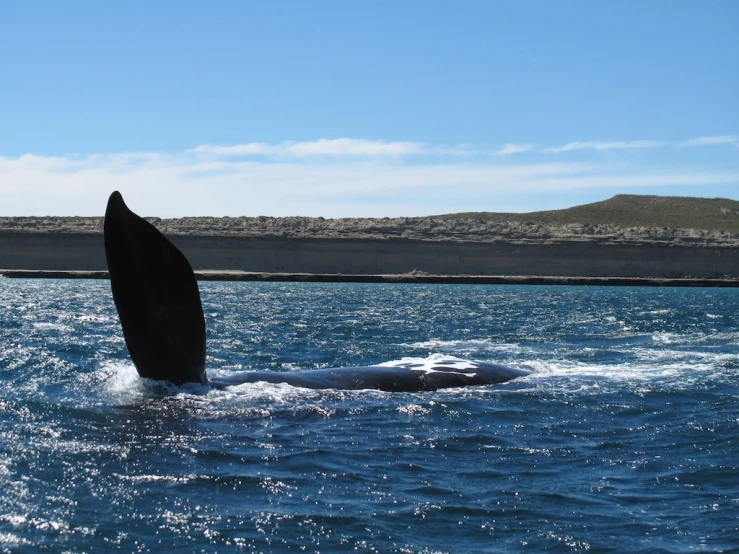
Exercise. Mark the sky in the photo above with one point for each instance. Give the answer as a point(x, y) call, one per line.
point(364, 108)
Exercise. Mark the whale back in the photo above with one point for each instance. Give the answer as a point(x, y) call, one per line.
point(157, 298)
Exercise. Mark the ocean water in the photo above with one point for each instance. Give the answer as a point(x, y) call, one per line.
point(623, 438)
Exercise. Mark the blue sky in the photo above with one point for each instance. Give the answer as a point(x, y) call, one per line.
point(359, 108)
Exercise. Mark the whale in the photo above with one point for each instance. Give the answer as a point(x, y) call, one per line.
point(157, 298)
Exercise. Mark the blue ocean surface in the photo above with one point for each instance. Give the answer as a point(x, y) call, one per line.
point(623, 438)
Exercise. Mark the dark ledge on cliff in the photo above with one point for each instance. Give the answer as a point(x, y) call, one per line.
point(398, 278)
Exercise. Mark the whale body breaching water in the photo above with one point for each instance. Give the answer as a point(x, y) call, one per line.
point(158, 301)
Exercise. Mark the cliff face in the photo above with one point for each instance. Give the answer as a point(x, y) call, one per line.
point(351, 256)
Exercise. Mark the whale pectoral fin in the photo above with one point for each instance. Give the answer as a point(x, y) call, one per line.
point(157, 298)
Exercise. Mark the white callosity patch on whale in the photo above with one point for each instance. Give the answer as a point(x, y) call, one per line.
point(436, 363)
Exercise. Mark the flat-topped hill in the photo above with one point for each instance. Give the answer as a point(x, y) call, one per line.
point(631, 219)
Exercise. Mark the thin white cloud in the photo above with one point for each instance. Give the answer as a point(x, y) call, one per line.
point(604, 145)
point(510, 149)
point(708, 141)
point(248, 149)
point(340, 147)
point(348, 148)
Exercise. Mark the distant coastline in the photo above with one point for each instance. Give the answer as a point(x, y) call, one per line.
point(560, 247)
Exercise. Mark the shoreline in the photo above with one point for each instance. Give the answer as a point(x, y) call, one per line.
point(421, 278)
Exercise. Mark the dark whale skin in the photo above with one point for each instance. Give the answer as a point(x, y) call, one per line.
point(157, 298)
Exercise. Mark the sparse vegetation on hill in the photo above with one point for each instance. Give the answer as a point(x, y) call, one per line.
point(621, 219)
point(633, 210)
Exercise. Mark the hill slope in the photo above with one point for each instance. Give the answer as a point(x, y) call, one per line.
point(632, 210)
